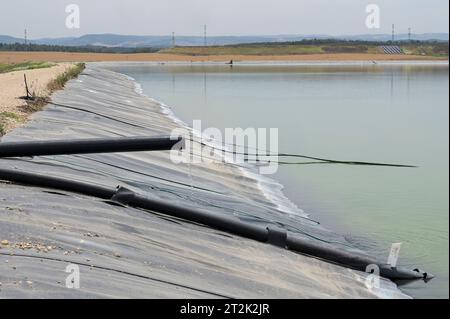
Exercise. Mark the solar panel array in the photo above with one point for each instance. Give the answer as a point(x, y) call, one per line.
point(392, 49)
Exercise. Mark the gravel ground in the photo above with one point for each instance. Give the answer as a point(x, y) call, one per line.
point(12, 87)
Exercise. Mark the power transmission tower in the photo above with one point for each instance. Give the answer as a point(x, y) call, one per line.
point(25, 36)
point(173, 39)
point(393, 32)
point(409, 34)
point(205, 35)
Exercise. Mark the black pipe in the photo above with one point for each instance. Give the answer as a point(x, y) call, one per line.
point(277, 237)
point(352, 260)
point(87, 146)
point(69, 185)
point(220, 222)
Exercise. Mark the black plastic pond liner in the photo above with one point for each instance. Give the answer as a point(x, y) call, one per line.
point(273, 236)
point(87, 146)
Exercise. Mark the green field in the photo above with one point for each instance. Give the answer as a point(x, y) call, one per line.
point(4, 68)
point(436, 50)
point(246, 50)
point(310, 47)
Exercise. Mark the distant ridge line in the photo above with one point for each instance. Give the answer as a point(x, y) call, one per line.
point(161, 41)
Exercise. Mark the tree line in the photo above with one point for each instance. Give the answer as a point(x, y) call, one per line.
point(75, 49)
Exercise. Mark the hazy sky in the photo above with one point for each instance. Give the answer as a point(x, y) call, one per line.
point(46, 18)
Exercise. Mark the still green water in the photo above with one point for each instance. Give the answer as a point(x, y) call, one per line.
point(386, 113)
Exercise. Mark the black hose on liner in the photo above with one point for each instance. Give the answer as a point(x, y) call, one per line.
point(273, 236)
point(87, 146)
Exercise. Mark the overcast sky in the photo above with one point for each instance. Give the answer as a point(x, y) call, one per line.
point(46, 18)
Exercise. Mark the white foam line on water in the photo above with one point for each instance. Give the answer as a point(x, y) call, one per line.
point(271, 189)
point(166, 109)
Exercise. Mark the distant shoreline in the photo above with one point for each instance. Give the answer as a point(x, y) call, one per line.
point(17, 57)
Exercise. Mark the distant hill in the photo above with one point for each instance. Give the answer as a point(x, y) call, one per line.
point(9, 40)
point(133, 41)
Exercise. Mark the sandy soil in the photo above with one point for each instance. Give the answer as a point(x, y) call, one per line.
point(15, 57)
point(12, 87)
